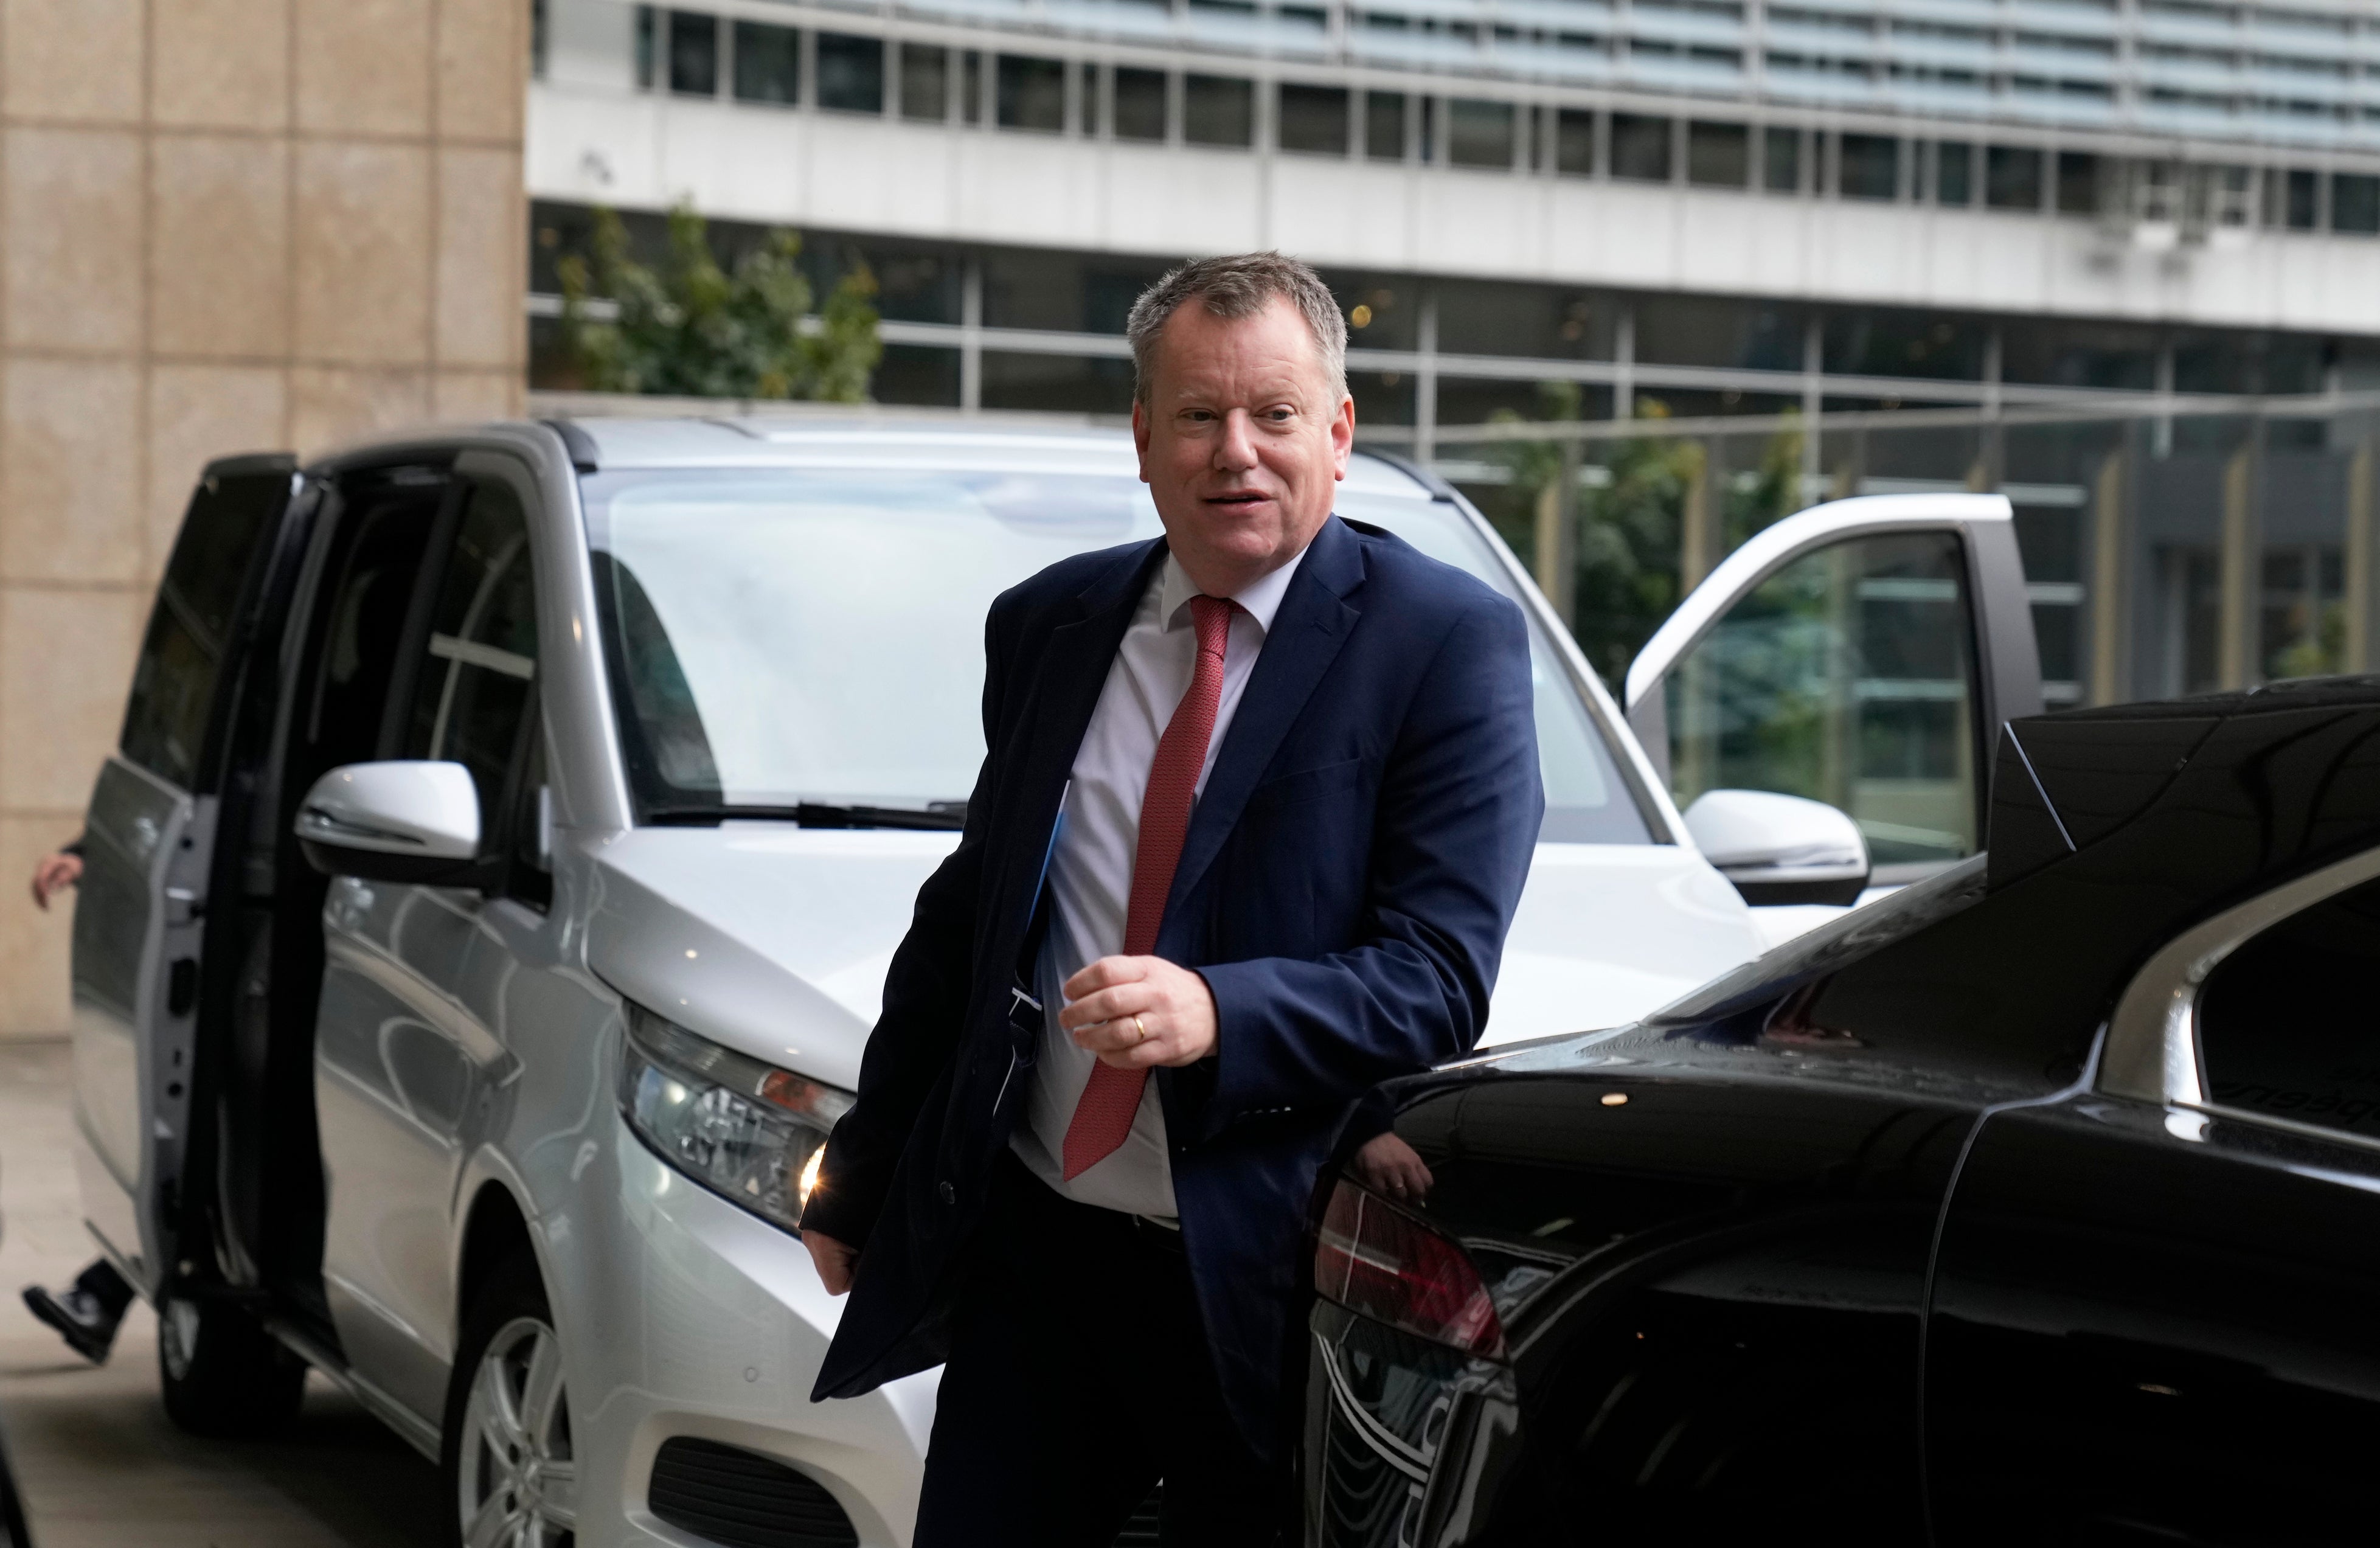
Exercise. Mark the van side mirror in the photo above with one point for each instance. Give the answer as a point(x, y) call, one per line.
point(1779, 848)
point(397, 821)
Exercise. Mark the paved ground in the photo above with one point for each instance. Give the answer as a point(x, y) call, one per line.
point(100, 1465)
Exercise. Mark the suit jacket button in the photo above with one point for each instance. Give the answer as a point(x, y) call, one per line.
point(950, 1193)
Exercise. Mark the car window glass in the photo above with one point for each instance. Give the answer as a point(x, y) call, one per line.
point(471, 693)
point(381, 528)
point(182, 654)
point(756, 626)
point(1848, 677)
point(2285, 1023)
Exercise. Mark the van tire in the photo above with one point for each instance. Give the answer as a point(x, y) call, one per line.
point(221, 1373)
point(507, 1331)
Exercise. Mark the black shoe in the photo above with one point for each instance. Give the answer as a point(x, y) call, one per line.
point(79, 1318)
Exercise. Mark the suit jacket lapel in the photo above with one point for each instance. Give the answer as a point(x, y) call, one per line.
point(1314, 621)
point(1065, 691)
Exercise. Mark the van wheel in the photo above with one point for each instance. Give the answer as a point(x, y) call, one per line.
point(510, 1476)
point(222, 1374)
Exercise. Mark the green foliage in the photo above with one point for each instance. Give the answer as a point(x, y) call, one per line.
point(690, 328)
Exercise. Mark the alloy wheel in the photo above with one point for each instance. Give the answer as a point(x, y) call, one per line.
point(518, 1485)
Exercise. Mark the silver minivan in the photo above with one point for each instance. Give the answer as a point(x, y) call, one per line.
point(487, 902)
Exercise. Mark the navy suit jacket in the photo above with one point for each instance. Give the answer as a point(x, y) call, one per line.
point(1344, 888)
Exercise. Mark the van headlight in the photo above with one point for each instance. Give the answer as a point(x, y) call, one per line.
point(748, 1131)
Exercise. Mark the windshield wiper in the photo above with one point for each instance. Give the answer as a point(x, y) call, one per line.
point(937, 816)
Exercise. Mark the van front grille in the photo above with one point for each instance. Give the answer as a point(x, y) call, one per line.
point(739, 1499)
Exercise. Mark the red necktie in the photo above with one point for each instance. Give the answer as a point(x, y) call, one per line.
point(1103, 1117)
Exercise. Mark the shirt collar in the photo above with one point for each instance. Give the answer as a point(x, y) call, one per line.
point(1260, 600)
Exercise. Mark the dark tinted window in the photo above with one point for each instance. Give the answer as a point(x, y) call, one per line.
point(694, 54)
point(1781, 162)
point(1483, 317)
point(1875, 342)
point(1575, 143)
point(2012, 178)
point(2285, 1025)
point(1480, 134)
point(1313, 119)
point(1139, 111)
point(1384, 126)
point(851, 72)
point(1954, 173)
point(1871, 167)
point(2355, 204)
point(473, 692)
point(1640, 148)
point(1218, 110)
point(2078, 184)
point(2073, 354)
point(1694, 330)
point(182, 656)
point(1032, 94)
point(925, 81)
point(767, 62)
point(2302, 205)
point(1718, 155)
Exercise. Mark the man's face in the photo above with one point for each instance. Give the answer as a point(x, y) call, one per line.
point(1242, 440)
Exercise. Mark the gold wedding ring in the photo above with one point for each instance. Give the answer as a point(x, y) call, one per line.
point(1141, 1029)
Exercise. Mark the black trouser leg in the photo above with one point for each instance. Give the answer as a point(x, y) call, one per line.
point(1078, 1376)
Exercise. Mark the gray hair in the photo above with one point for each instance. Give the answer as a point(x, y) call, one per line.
point(1241, 285)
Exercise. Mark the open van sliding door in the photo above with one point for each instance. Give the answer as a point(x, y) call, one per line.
point(149, 844)
point(1863, 653)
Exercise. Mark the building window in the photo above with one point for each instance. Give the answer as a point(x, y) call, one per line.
point(1714, 331)
point(2355, 204)
point(851, 72)
point(2012, 178)
point(1781, 152)
point(2302, 207)
point(1954, 173)
point(694, 54)
point(1871, 167)
point(1485, 317)
point(1479, 133)
point(2078, 184)
point(1218, 110)
point(1032, 94)
point(1879, 341)
point(541, 37)
point(1574, 143)
point(925, 82)
point(1139, 111)
point(1718, 155)
point(1384, 126)
point(645, 46)
point(1640, 148)
point(767, 62)
point(1312, 118)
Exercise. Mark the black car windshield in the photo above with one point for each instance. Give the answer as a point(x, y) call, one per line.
point(804, 639)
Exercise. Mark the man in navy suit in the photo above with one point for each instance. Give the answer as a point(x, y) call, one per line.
point(1297, 770)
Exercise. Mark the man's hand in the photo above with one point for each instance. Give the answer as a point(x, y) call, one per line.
point(1386, 1165)
point(1136, 1012)
point(833, 1261)
point(55, 873)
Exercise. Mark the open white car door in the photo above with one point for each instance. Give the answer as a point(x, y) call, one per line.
point(148, 850)
point(1862, 654)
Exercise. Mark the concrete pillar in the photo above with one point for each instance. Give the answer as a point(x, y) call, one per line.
point(232, 226)
point(2110, 573)
point(2362, 651)
point(1556, 556)
point(2238, 617)
point(1699, 538)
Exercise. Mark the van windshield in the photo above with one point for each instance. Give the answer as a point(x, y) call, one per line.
point(788, 638)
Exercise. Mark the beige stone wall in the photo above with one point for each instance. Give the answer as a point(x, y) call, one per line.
point(224, 225)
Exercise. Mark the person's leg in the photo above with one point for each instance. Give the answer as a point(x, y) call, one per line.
point(1035, 1444)
point(87, 1313)
point(1219, 1491)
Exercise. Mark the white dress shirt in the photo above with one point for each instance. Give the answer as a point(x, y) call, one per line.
point(1090, 869)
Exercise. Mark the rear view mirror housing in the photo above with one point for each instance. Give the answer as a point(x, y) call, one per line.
point(1779, 848)
point(396, 820)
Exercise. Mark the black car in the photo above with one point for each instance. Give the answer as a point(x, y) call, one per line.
point(2038, 1202)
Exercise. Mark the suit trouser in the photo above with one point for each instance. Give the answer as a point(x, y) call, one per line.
point(1079, 1375)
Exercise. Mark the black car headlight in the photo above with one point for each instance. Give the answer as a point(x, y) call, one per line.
point(745, 1130)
